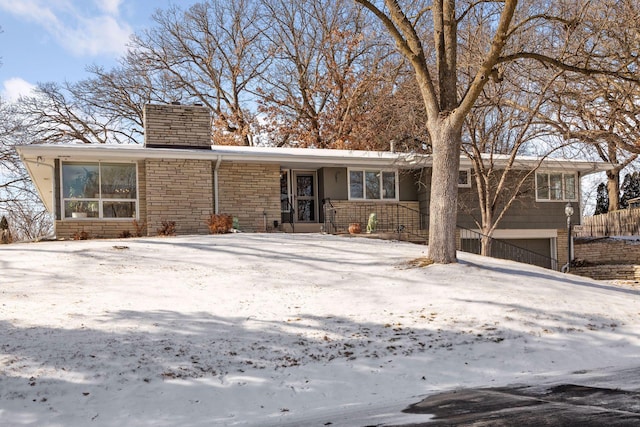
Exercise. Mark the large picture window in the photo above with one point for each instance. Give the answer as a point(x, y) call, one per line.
point(373, 185)
point(556, 186)
point(99, 190)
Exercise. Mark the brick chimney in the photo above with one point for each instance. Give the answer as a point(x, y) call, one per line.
point(177, 126)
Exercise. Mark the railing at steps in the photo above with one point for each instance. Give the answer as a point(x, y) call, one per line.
point(329, 215)
point(404, 223)
point(391, 218)
point(471, 241)
point(287, 215)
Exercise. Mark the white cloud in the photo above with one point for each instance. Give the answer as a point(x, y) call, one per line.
point(77, 29)
point(95, 36)
point(111, 7)
point(15, 87)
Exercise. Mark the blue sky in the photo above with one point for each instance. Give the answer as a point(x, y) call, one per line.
point(55, 40)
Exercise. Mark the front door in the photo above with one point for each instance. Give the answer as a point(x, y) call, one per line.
point(305, 196)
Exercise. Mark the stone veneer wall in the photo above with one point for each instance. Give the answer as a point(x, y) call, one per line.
point(247, 191)
point(608, 259)
point(609, 272)
point(179, 190)
point(108, 228)
point(95, 228)
point(607, 251)
point(561, 247)
point(178, 126)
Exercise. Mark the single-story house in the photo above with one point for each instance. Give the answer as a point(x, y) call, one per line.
point(177, 175)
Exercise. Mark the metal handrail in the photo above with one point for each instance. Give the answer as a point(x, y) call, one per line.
point(395, 218)
point(470, 241)
point(402, 220)
point(291, 213)
point(329, 216)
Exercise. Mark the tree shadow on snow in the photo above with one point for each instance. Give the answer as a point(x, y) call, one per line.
point(213, 355)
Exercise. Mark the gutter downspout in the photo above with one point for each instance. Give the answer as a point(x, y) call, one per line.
point(38, 163)
point(215, 186)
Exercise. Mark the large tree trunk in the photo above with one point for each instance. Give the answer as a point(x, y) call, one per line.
point(485, 245)
point(443, 209)
point(613, 189)
point(613, 178)
point(486, 239)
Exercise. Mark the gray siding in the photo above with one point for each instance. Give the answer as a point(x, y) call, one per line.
point(524, 213)
point(333, 184)
point(409, 183)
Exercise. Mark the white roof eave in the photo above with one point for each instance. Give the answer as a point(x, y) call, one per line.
point(40, 159)
point(549, 164)
point(244, 154)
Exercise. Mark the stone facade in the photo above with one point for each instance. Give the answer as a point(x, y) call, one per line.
point(179, 190)
point(251, 193)
point(177, 126)
point(607, 251)
point(624, 272)
point(608, 259)
point(561, 247)
point(94, 228)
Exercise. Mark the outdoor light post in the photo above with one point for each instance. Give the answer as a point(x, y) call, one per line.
point(568, 211)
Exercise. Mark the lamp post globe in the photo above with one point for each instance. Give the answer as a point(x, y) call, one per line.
point(568, 211)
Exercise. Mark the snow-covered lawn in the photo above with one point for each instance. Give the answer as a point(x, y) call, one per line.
point(267, 329)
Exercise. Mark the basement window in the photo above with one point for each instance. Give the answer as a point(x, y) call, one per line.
point(99, 190)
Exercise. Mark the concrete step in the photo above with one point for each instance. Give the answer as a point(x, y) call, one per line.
point(302, 227)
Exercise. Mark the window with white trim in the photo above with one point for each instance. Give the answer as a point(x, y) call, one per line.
point(99, 190)
point(556, 186)
point(369, 184)
point(464, 178)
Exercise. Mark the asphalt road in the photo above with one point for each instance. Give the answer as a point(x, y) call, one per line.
point(565, 405)
point(585, 399)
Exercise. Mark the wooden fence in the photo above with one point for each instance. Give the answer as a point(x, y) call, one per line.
point(624, 222)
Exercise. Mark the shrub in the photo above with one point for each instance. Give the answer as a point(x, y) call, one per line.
point(168, 228)
point(81, 235)
point(139, 227)
point(220, 223)
point(125, 234)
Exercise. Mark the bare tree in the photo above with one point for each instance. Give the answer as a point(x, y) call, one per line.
point(509, 31)
point(12, 176)
point(328, 64)
point(596, 109)
point(603, 113)
point(120, 94)
point(394, 115)
point(19, 203)
point(505, 123)
point(28, 220)
point(53, 115)
point(213, 53)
